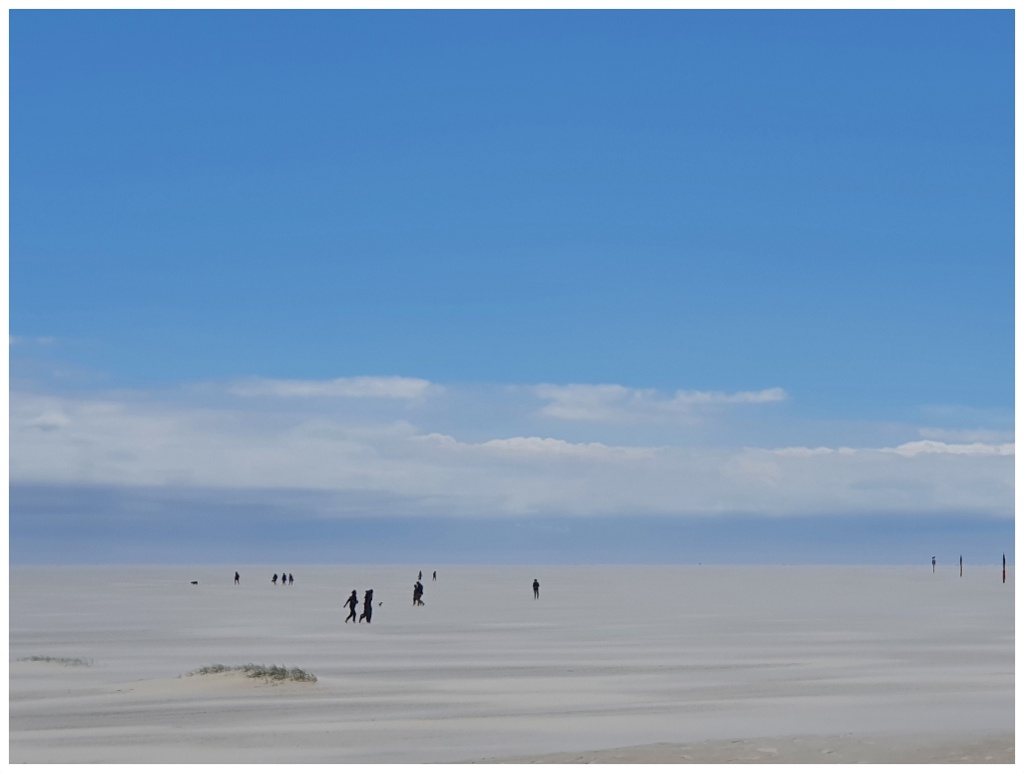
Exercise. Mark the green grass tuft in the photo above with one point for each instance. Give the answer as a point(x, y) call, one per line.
point(268, 673)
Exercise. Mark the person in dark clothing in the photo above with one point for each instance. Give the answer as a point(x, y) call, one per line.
point(417, 594)
point(237, 578)
point(536, 589)
point(352, 603)
point(274, 579)
point(435, 574)
point(367, 607)
point(291, 580)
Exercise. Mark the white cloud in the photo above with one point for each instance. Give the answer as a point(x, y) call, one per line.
point(682, 398)
point(525, 447)
point(585, 402)
point(966, 435)
point(48, 420)
point(803, 451)
point(391, 387)
point(612, 402)
point(29, 340)
point(918, 447)
point(556, 447)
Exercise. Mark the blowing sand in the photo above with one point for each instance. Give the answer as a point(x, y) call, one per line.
point(611, 664)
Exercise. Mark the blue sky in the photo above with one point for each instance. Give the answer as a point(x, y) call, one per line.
point(723, 278)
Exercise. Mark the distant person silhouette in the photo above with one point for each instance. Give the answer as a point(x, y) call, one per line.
point(420, 577)
point(352, 603)
point(367, 607)
point(237, 578)
point(435, 574)
point(417, 594)
point(284, 579)
point(274, 579)
point(291, 580)
point(933, 564)
point(536, 589)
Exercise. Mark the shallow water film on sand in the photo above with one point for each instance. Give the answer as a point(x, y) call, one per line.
point(613, 664)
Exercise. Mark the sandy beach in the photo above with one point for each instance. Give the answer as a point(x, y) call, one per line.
point(611, 664)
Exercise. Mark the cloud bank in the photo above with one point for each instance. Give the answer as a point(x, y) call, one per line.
point(489, 452)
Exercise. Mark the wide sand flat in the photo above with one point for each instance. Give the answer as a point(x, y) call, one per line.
point(612, 664)
point(810, 749)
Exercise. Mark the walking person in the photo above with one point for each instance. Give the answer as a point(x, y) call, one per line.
point(933, 564)
point(274, 579)
point(367, 607)
point(352, 603)
point(237, 578)
point(536, 589)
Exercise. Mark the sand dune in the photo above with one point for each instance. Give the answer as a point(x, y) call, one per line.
point(611, 664)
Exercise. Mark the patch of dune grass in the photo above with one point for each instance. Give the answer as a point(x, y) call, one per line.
point(61, 661)
point(268, 673)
